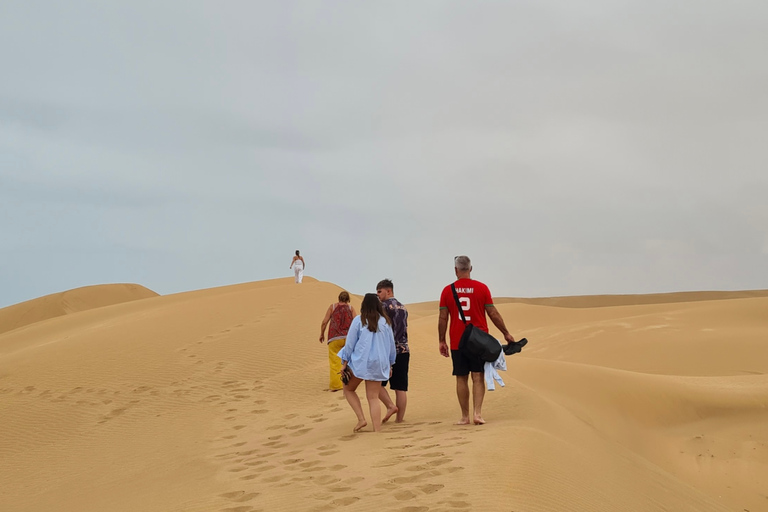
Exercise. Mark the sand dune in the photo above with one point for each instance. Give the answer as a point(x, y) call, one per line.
point(214, 400)
point(597, 301)
point(71, 301)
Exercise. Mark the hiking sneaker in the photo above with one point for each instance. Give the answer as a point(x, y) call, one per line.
point(515, 348)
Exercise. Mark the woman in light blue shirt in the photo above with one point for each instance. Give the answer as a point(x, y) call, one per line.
point(369, 353)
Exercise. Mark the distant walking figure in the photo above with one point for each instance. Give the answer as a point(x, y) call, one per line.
point(297, 263)
point(369, 353)
point(340, 316)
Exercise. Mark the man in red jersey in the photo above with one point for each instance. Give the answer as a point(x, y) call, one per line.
point(475, 299)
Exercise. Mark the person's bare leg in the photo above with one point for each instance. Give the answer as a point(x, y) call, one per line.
point(462, 391)
point(372, 389)
point(401, 400)
point(354, 401)
point(478, 394)
point(388, 403)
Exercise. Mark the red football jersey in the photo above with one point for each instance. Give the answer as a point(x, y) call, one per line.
point(473, 296)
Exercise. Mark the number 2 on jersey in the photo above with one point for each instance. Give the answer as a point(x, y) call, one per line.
point(465, 306)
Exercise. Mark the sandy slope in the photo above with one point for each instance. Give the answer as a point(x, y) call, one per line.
point(214, 400)
point(71, 301)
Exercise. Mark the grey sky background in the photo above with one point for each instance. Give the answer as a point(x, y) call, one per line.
point(568, 148)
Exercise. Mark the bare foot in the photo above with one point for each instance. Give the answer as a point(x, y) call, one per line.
point(360, 425)
point(389, 414)
point(463, 421)
point(479, 420)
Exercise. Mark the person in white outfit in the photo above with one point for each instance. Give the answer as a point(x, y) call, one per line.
point(297, 264)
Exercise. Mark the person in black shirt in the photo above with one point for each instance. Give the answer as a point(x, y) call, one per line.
point(399, 379)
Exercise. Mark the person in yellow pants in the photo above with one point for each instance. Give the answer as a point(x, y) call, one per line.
point(334, 382)
point(338, 318)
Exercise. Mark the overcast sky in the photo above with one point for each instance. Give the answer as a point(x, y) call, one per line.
point(568, 148)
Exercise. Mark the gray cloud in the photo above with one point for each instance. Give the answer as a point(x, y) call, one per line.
point(600, 147)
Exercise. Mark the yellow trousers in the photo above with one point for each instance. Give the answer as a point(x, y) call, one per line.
point(335, 363)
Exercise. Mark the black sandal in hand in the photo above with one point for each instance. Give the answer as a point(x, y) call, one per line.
point(515, 347)
point(346, 374)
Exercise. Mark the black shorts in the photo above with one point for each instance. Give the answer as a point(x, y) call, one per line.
point(399, 379)
point(463, 363)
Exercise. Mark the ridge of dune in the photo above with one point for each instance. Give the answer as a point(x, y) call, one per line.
point(214, 400)
point(597, 301)
point(68, 302)
point(600, 301)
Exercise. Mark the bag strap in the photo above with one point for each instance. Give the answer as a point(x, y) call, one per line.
point(458, 303)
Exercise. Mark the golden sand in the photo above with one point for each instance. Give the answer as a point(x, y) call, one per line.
point(115, 399)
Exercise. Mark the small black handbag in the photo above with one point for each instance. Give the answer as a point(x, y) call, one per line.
point(476, 342)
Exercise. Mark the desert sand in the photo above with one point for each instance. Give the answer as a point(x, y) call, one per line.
point(113, 398)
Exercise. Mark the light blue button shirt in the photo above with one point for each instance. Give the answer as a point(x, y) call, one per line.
point(369, 354)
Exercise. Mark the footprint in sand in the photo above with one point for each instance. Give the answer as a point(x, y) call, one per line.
point(327, 480)
point(245, 497)
point(113, 414)
point(404, 495)
point(457, 504)
point(343, 502)
point(431, 488)
point(263, 468)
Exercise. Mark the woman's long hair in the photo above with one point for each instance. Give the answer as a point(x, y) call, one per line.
point(370, 311)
